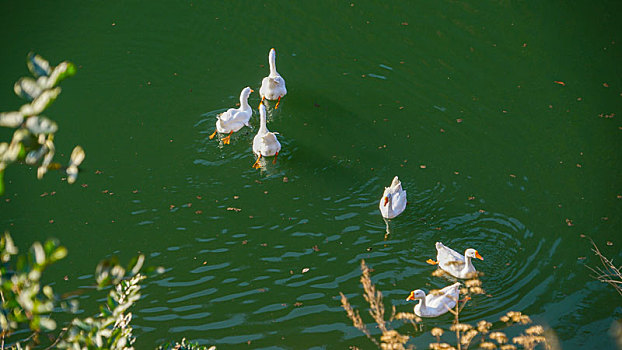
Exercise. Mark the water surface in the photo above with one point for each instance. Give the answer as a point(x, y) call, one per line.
point(462, 100)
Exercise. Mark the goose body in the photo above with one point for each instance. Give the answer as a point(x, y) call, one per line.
point(454, 263)
point(234, 119)
point(437, 303)
point(273, 86)
point(265, 143)
point(393, 201)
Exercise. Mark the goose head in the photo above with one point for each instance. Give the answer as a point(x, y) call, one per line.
point(472, 253)
point(246, 92)
point(416, 295)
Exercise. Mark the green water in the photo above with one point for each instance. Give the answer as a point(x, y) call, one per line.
point(459, 99)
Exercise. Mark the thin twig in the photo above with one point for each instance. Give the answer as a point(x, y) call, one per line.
point(60, 336)
point(610, 274)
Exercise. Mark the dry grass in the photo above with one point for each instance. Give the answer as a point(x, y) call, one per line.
point(390, 339)
point(608, 273)
point(466, 334)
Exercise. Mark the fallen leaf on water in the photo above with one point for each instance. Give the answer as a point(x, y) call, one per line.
point(306, 269)
point(560, 83)
point(234, 209)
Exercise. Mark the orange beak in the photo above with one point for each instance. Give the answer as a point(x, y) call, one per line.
point(386, 201)
point(411, 296)
point(478, 256)
point(252, 90)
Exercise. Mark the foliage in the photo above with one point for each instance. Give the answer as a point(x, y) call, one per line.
point(24, 300)
point(184, 346)
point(111, 328)
point(26, 305)
point(465, 334)
point(33, 139)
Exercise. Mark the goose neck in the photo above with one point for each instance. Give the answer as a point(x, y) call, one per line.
point(272, 62)
point(468, 265)
point(244, 102)
point(422, 305)
point(263, 129)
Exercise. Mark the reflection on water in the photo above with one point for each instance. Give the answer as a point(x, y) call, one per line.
point(281, 272)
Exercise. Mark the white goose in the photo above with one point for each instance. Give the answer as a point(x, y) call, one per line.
point(273, 86)
point(234, 118)
point(393, 201)
point(455, 263)
point(437, 303)
point(265, 143)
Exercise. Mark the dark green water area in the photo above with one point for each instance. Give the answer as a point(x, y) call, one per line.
point(501, 118)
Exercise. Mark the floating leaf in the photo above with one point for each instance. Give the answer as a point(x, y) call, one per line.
point(40, 103)
point(37, 65)
point(11, 119)
point(41, 125)
point(27, 88)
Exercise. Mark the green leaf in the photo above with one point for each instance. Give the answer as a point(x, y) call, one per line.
point(40, 103)
point(59, 73)
point(11, 119)
point(136, 264)
point(77, 156)
point(39, 253)
point(37, 65)
point(58, 254)
point(47, 323)
point(41, 125)
point(27, 88)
